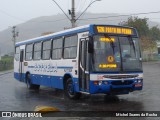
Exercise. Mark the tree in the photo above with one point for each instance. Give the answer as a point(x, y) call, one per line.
point(155, 33)
point(147, 35)
point(147, 44)
point(140, 24)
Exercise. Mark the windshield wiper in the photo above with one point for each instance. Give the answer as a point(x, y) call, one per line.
point(111, 42)
point(132, 43)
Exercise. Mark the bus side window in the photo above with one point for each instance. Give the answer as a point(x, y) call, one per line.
point(70, 47)
point(57, 48)
point(29, 49)
point(46, 50)
point(37, 51)
point(17, 54)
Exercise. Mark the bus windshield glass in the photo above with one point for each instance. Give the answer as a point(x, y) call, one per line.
point(116, 54)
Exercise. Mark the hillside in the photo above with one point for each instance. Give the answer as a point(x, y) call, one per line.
point(35, 27)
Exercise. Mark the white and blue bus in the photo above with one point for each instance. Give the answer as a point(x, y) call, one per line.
point(89, 59)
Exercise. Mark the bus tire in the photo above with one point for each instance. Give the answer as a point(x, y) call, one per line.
point(69, 90)
point(29, 83)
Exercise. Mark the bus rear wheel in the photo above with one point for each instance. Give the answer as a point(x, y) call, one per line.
point(29, 83)
point(69, 90)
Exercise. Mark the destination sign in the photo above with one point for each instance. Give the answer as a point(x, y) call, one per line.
point(107, 65)
point(114, 30)
point(103, 39)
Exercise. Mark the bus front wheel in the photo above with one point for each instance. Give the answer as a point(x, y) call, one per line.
point(69, 90)
point(29, 83)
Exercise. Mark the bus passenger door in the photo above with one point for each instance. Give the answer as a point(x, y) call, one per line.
point(83, 66)
point(21, 67)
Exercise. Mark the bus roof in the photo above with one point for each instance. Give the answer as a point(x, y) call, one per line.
point(55, 35)
point(65, 32)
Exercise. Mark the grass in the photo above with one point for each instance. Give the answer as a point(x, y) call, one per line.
point(6, 63)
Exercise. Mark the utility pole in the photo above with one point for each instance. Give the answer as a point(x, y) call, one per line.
point(72, 12)
point(15, 34)
point(0, 53)
point(73, 16)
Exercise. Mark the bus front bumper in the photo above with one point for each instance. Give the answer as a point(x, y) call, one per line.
point(115, 87)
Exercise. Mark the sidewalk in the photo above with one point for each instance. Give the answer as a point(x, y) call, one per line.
point(5, 72)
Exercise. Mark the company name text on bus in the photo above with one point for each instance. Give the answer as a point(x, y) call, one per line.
point(114, 30)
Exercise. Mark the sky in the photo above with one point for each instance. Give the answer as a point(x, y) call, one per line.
point(13, 12)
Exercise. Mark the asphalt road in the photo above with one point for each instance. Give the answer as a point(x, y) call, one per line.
point(14, 96)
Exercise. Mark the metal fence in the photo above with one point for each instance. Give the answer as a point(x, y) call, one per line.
point(151, 57)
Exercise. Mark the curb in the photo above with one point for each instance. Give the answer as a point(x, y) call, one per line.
point(6, 73)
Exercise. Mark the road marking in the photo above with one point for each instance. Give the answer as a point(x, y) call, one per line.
point(45, 109)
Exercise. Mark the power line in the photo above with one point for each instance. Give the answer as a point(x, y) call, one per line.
point(81, 5)
point(7, 14)
point(78, 4)
point(81, 14)
point(122, 15)
point(68, 3)
point(71, 12)
point(86, 9)
point(26, 20)
point(50, 21)
point(61, 9)
point(85, 19)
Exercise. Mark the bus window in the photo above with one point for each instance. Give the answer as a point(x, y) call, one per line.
point(29, 52)
point(17, 52)
point(46, 50)
point(57, 48)
point(70, 47)
point(37, 51)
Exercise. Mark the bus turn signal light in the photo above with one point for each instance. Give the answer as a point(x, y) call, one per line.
point(138, 85)
point(95, 82)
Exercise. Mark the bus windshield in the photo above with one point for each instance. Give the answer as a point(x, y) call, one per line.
point(116, 54)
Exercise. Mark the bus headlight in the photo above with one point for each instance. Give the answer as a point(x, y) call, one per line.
point(106, 83)
point(136, 81)
point(100, 82)
point(139, 81)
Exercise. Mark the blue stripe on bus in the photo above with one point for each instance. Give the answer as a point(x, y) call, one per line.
point(62, 67)
point(30, 66)
point(57, 82)
point(58, 67)
point(46, 80)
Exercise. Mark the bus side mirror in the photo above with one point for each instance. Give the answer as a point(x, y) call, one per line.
point(90, 45)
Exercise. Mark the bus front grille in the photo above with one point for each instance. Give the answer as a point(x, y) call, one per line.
point(125, 82)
